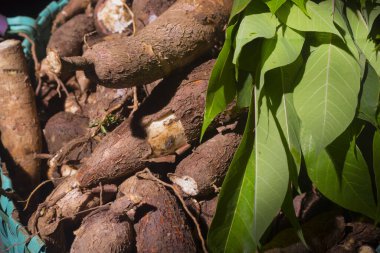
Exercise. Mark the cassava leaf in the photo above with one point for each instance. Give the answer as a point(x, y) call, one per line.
point(252, 53)
point(341, 174)
point(234, 213)
point(369, 100)
point(254, 188)
point(280, 83)
point(373, 15)
point(302, 5)
point(280, 51)
point(237, 7)
point(246, 67)
point(342, 24)
point(222, 85)
point(244, 90)
point(360, 32)
point(320, 17)
point(274, 4)
point(327, 95)
point(256, 23)
point(376, 169)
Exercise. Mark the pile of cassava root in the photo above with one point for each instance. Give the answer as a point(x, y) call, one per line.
point(102, 137)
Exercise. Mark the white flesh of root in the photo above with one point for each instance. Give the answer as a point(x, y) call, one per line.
point(166, 135)
point(187, 184)
point(67, 170)
point(115, 16)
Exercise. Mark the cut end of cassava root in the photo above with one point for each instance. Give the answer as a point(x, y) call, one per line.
point(113, 16)
point(7, 44)
point(186, 184)
point(54, 61)
point(166, 135)
point(57, 64)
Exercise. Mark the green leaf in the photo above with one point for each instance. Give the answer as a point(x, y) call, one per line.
point(362, 3)
point(256, 23)
point(320, 17)
point(280, 51)
point(290, 213)
point(369, 100)
point(341, 174)
point(302, 5)
point(327, 95)
point(274, 5)
point(222, 85)
point(342, 23)
point(373, 15)
point(254, 188)
point(244, 91)
point(360, 32)
point(252, 53)
point(237, 7)
point(234, 213)
point(280, 83)
point(376, 169)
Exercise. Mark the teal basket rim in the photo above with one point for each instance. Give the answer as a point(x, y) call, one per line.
point(13, 235)
point(37, 29)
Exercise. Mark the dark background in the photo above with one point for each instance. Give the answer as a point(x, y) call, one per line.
point(31, 8)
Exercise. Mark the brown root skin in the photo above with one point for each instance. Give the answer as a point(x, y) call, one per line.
point(182, 34)
point(68, 39)
point(65, 65)
point(163, 229)
point(146, 11)
point(74, 102)
point(100, 102)
point(207, 212)
point(83, 81)
point(181, 95)
point(199, 174)
point(104, 231)
point(53, 234)
point(21, 135)
point(204, 211)
point(73, 8)
point(126, 150)
point(64, 127)
point(119, 155)
point(63, 210)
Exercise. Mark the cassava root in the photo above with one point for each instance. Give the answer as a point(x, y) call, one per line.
point(163, 229)
point(199, 174)
point(182, 34)
point(109, 229)
point(63, 210)
point(19, 124)
point(162, 126)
